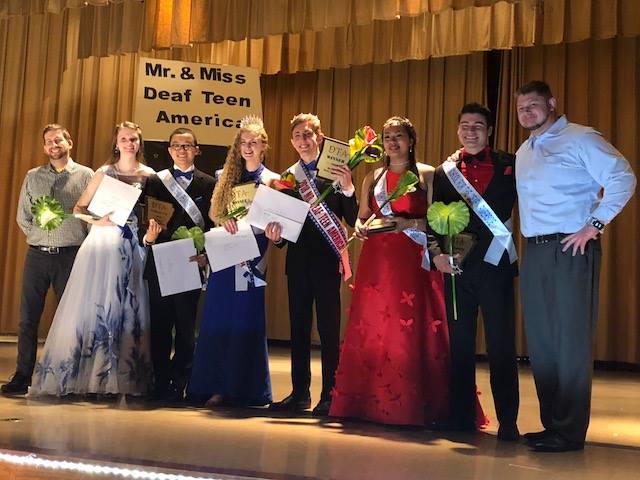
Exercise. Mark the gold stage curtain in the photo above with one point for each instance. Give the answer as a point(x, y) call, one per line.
point(211, 21)
point(576, 20)
point(314, 35)
point(452, 32)
point(29, 7)
point(596, 83)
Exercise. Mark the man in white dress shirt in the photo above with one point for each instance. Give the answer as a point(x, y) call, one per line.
point(571, 183)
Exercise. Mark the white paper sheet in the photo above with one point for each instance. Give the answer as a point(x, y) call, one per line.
point(225, 250)
point(176, 273)
point(270, 205)
point(114, 196)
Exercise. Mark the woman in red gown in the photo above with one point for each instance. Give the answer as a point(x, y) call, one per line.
point(394, 364)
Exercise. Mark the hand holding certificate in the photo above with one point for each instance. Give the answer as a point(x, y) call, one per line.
point(270, 205)
point(116, 198)
point(176, 274)
point(225, 249)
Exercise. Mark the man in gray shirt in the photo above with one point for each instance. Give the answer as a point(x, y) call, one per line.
point(571, 183)
point(51, 252)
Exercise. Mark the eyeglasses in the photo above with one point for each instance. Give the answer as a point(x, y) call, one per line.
point(184, 146)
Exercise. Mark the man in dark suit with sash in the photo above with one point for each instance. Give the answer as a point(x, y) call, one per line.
point(484, 178)
point(189, 191)
point(314, 266)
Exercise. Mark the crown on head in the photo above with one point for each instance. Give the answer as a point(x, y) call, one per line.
point(251, 121)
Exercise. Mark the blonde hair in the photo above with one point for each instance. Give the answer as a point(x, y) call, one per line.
point(115, 153)
point(309, 118)
point(232, 170)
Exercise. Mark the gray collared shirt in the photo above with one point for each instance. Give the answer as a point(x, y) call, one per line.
point(560, 176)
point(65, 186)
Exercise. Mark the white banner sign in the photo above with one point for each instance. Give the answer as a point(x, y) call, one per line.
point(209, 99)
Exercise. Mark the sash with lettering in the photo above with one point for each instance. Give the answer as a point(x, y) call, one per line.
point(418, 236)
point(323, 218)
point(182, 197)
point(253, 271)
point(502, 239)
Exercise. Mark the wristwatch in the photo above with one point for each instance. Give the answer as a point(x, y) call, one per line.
point(594, 222)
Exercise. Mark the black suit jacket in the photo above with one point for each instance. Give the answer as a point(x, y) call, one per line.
point(312, 250)
point(200, 190)
point(500, 195)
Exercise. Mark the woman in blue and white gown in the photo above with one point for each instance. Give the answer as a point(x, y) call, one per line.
point(99, 339)
point(230, 365)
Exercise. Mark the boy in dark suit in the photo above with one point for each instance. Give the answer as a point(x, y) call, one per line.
point(189, 191)
point(313, 266)
point(484, 178)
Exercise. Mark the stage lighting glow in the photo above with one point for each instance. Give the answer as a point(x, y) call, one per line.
point(32, 460)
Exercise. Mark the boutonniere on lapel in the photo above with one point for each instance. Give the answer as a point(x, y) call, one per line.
point(508, 170)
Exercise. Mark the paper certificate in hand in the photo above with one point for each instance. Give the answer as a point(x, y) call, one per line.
point(225, 250)
point(114, 197)
point(270, 205)
point(176, 274)
point(242, 196)
point(334, 154)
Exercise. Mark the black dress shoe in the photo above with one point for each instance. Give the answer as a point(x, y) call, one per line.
point(556, 443)
point(508, 432)
point(322, 409)
point(292, 403)
point(534, 437)
point(19, 385)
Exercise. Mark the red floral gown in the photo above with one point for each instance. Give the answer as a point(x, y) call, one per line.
point(394, 364)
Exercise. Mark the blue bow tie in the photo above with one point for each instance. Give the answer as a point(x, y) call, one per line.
point(312, 166)
point(180, 173)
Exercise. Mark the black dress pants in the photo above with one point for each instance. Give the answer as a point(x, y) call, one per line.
point(174, 311)
point(305, 288)
point(41, 270)
point(489, 288)
point(560, 303)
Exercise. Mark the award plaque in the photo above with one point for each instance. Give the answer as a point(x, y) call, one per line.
point(334, 154)
point(160, 211)
point(379, 226)
point(463, 243)
point(242, 196)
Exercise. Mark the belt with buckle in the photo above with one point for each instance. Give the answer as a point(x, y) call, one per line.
point(53, 250)
point(552, 237)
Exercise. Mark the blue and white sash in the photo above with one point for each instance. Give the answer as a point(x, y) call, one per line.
point(323, 218)
point(502, 238)
point(418, 236)
point(181, 196)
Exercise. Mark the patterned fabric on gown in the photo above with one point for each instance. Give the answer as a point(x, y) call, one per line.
point(99, 339)
point(394, 363)
point(231, 356)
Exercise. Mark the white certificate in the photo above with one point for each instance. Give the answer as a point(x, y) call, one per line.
point(114, 197)
point(176, 273)
point(270, 205)
point(225, 250)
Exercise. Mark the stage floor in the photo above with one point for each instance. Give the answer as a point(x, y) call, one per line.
point(253, 443)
